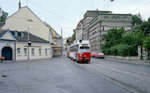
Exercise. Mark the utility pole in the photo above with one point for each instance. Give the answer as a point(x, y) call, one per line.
point(29, 41)
point(61, 41)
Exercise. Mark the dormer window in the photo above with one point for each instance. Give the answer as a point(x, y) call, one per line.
point(22, 34)
point(16, 33)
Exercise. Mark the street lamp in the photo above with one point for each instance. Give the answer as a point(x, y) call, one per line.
point(29, 41)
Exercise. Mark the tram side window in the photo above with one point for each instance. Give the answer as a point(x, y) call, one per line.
point(76, 48)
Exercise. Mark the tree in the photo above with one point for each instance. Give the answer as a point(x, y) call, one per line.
point(119, 42)
point(145, 27)
point(133, 40)
point(3, 15)
point(136, 19)
point(112, 38)
point(146, 43)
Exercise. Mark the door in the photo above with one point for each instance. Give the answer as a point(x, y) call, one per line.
point(7, 53)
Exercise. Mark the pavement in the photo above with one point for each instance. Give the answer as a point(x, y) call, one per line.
point(62, 75)
point(135, 62)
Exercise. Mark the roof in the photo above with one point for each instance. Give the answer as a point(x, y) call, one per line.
point(54, 33)
point(24, 38)
point(125, 19)
point(94, 13)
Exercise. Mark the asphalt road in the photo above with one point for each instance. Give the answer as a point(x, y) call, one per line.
point(61, 75)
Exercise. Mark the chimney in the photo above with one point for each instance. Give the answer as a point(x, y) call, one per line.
point(19, 4)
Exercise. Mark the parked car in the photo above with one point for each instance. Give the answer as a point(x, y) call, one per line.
point(93, 54)
point(2, 59)
point(100, 55)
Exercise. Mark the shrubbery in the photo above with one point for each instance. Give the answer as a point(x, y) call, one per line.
point(122, 43)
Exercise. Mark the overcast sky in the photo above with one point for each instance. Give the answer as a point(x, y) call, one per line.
point(66, 14)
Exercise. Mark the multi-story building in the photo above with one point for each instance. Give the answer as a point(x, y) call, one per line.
point(102, 23)
point(96, 23)
point(78, 30)
point(88, 16)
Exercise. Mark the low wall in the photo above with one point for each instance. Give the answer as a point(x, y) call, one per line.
point(127, 58)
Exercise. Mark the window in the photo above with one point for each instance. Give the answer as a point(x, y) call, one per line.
point(18, 51)
point(22, 34)
point(46, 52)
point(32, 52)
point(40, 52)
point(16, 33)
point(25, 52)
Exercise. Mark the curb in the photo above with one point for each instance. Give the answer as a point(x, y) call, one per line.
point(137, 62)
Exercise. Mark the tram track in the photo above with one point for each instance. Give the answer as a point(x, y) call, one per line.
point(131, 88)
point(114, 67)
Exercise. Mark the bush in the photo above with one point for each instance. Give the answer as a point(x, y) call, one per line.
point(125, 50)
point(114, 50)
point(146, 43)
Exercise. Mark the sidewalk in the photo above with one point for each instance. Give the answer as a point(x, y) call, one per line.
point(130, 61)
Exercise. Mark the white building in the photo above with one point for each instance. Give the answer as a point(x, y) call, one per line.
point(78, 30)
point(14, 46)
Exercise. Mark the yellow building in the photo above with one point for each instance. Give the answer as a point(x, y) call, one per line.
point(25, 20)
point(56, 40)
point(14, 46)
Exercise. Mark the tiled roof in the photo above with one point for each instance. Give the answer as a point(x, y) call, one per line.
point(24, 36)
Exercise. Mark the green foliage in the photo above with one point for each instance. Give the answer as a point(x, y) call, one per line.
point(136, 19)
point(113, 37)
point(3, 15)
point(122, 43)
point(133, 38)
point(146, 43)
point(145, 27)
point(125, 50)
point(114, 50)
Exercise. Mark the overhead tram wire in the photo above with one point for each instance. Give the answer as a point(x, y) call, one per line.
point(66, 19)
point(139, 7)
point(107, 6)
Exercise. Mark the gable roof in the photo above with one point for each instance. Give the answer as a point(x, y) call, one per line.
point(8, 36)
point(23, 38)
point(30, 11)
point(54, 33)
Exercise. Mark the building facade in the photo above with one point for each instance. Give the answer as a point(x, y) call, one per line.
point(97, 23)
point(104, 22)
point(14, 46)
point(88, 17)
point(25, 20)
point(78, 30)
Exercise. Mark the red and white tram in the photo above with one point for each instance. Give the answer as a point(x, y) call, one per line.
point(80, 51)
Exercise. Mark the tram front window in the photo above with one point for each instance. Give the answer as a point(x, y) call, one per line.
point(84, 49)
